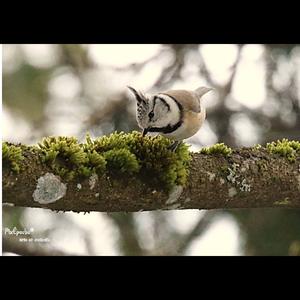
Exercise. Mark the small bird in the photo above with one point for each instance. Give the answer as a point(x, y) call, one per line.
point(175, 114)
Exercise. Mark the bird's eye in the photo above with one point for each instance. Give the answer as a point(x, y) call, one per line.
point(151, 114)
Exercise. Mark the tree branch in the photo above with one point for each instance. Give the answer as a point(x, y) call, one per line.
point(248, 178)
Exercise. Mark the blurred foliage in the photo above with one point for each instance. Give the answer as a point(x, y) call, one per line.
point(12, 217)
point(269, 231)
point(25, 91)
point(102, 110)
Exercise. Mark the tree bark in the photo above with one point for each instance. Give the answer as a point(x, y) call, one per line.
point(248, 178)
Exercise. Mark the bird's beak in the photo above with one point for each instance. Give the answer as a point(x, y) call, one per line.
point(145, 131)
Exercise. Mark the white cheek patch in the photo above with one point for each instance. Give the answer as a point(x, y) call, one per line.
point(167, 114)
point(160, 111)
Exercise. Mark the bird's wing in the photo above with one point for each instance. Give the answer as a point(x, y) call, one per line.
point(188, 100)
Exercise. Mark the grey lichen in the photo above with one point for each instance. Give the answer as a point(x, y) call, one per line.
point(244, 186)
point(93, 180)
point(174, 194)
point(234, 178)
point(49, 189)
point(232, 192)
point(211, 176)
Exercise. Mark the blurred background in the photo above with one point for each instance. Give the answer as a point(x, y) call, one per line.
point(71, 89)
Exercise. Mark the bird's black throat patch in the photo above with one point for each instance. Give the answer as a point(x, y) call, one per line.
point(166, 129)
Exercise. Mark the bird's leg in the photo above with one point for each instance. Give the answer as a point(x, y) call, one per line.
point(174, 146)
point(145, 131)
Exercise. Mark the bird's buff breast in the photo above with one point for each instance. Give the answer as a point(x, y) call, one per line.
point(190, 126)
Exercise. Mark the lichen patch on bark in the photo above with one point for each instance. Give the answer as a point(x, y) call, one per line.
point(49, 189)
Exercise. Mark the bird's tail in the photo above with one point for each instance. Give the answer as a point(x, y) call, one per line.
point(202, 91)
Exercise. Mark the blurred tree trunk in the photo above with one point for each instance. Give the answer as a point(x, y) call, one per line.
point(269, 232)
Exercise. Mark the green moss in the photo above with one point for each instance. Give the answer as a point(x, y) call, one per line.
point(65, 156)
point(132, 153)
point(96, 161)
point(285, 201)
point(122, 160)
point(12, 156)
point(257, 147)
point(217, 148)
point(119, 152)
point(285, 148)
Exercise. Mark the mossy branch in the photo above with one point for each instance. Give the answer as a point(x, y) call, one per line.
point(128, 172)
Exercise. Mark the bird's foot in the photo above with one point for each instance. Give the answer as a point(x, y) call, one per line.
point(174, 146)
